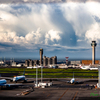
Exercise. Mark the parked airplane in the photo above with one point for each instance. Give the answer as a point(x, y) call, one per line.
point(93, 68)
point(85, 67)
point(73, 81)
point(3, 83)
point(31, 67)
point(17, 78)
point(34, 67)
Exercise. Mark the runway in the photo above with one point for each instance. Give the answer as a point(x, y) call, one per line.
point(58, 91)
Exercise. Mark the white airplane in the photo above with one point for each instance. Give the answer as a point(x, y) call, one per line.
point(72, 80)
point(3, 83)
point(17, 78)
point(30, 67)
point(93, 68)
point(85, 67)
point(34, 67)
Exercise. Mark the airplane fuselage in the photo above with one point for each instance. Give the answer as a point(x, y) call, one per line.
point(85, 67)
point(2, 82)
point(72, 80)
point(19, 78)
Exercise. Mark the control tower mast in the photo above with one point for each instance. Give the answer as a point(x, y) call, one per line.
point(93, 44)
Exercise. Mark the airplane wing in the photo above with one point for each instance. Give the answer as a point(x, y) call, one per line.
point(68, 81)
point(79, 82)
point(7, 78)
point(62, 80)
point(76, 82)
point(9, 86)
point(14, 85)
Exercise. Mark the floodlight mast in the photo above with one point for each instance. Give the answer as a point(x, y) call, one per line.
point(36, 76)
point(41, 62)
point(41, 73)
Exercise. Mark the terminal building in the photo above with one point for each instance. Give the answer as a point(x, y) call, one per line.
point(46, 61)
point(30, 62)
point(49, 61)
point(75, 62)
point(89, 62)
point(84, 62)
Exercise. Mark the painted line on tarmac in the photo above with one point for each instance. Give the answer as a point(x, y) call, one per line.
point(63, 94)
point(75, 95)
point(48, 95)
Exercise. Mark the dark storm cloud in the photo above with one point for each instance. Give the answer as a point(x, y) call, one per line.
point(97, 19)
point(78, 49)
point(69, 49)
point(13, 47)
point(69, 42)
point(18, 48)
point(68, 37)
point(44, 1)
point(1, 19)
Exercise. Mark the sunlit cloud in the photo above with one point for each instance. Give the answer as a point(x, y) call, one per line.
point(44, 1)
point(55, 27)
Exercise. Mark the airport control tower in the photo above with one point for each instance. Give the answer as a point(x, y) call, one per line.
point(93, 44)
point(41, 56)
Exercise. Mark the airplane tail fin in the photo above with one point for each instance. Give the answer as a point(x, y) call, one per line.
point(24, 72)
point(73, 74)
point(80, 66)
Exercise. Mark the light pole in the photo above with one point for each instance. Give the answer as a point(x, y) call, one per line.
point(36, 76)
point(41, 73)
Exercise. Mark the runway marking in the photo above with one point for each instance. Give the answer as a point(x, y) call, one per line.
point(48, 95)
point(63, 94)
point(75, 95)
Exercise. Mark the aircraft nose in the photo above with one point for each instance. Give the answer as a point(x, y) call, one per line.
point(14, 79)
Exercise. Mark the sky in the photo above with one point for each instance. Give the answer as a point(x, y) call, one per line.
point(63, 28)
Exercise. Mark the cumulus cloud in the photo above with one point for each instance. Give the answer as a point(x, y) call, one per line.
point(34, 37)
point(52, 35)
point(93, 33)
point(58, 26)
point(79, 40)
point(74, 15)
point(85, 22)
point(30, 39)
point(44, 1)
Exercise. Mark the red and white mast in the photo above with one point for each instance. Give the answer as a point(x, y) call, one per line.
point(66, 60)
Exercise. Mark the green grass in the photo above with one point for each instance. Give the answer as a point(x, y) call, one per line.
point(46, 70)
point(61, 73)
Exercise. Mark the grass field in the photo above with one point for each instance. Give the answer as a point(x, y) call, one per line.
point(52, 73)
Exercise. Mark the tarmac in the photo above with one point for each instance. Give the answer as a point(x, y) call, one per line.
point(60, 90)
